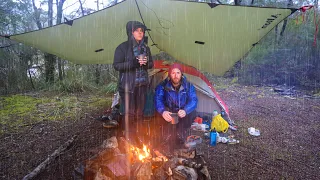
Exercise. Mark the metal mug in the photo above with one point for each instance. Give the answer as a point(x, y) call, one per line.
point(141, 56)
point(175, 118)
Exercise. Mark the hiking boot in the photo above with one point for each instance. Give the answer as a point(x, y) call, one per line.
point(110, 124)
point(102, 118)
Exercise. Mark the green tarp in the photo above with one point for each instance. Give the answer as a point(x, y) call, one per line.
point(208, 37)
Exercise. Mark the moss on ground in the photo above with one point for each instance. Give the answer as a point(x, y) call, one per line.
point(18, 111)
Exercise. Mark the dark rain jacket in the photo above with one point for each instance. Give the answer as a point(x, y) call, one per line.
point(168, 99)
point(126, 63)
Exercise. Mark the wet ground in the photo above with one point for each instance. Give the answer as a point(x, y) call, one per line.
point(288, 147)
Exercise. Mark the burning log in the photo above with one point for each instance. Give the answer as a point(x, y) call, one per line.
point(141, 164)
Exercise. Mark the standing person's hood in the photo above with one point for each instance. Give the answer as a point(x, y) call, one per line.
point(133, 25)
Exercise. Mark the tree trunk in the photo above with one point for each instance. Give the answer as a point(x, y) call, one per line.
point(97, 74)
point(49, 59)
point(316, 4)
point(59, 17)
point(252, 1)
point(97, 5)
point(36, 15)
point(97, 66)
point(116, 1)
point(60, 68)
point(276, 34)
point(59, 10)
point(237, 2)
point(81, 7)
point(49, 67)
point(50, 12)
point(290, 3)
point(30, 77)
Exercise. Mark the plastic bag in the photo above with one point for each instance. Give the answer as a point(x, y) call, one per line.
point(219, 124)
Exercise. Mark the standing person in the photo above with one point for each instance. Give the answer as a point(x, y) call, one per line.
point(132, 59)
point(175, 95)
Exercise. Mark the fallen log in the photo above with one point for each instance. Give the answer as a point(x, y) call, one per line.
point(45, 163)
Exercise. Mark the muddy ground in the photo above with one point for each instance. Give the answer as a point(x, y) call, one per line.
point(288, 147)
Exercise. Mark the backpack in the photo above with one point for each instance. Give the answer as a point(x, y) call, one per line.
point(219, 124)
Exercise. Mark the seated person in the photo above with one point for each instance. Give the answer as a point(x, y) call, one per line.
point(176, 95)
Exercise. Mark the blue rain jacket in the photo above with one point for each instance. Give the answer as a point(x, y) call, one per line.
point(168, 99)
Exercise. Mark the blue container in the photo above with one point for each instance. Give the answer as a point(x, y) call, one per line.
point(213, 138)
point(207, 123)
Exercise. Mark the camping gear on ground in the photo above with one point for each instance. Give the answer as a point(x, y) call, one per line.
point(233, 141)
point(199, 127)
point(213, 138)
point(219, 124)
point(198, 120)
point(232, 127)
point(253, 131)
point(215, 112)
point(193, 141)
point(222, 139)
point(227, 140)
point(207, 125)
point(231, 123)
point(207, 135)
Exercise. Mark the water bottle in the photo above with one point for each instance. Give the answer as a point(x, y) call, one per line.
point(213, 138)
point(214, 114)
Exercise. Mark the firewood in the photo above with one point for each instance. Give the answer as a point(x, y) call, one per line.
point(144, 171)
point(205, 173)
point(178, 175)
point(53, 156)
point(185, 153)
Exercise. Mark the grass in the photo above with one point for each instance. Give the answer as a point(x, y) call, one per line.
point(18, 111)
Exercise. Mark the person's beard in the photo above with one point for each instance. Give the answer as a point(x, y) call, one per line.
point(175, 81)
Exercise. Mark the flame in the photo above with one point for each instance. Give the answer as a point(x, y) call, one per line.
point(141, 154)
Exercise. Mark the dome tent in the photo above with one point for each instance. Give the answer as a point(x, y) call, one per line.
point(208, 98)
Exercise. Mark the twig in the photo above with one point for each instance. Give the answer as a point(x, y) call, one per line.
point(45, 163)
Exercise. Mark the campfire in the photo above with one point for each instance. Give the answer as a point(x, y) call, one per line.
point(141, 154)
point(126, 161)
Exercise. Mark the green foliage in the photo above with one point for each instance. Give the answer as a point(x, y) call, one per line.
point(234, 80)
point(110, 88)
point(291, 59)
point(71, 86)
